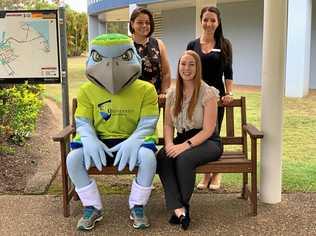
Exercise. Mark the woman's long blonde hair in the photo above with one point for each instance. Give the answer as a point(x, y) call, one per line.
point(197, 85)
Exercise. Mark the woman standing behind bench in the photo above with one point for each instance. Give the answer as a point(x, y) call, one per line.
point(155, 65)
point(216, 55)
point(191, 108)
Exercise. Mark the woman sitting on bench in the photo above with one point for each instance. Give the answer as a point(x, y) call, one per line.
point(191, 108)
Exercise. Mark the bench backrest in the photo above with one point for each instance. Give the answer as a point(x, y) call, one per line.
point(232, 132)
point(232, 129)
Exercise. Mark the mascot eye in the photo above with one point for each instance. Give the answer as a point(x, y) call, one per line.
point(96, 56)
point(128, 55)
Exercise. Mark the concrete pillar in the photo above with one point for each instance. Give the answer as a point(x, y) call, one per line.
point(101, 27)
point(273, 77)
point(298, 48)
point(93, 26)
point(131, 8)
point(199, 4)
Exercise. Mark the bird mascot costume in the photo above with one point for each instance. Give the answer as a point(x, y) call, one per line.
point(115, 121)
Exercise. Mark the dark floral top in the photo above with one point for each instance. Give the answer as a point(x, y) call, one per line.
point(151, 62)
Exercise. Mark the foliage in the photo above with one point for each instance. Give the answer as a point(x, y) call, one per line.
point(117, 27)
point(26, 4)
point(13, 4)
point(6, 150)
point(19, 108)
point(77, 32)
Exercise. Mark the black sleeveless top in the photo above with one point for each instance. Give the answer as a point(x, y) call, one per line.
point(151, 62)
point(213, 67)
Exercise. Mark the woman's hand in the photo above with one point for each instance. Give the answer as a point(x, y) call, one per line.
point(174, 151)
point(161, 99)
point(227, 99)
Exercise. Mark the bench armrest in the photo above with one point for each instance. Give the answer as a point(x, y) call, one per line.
point(64, 134)
point(253, 131)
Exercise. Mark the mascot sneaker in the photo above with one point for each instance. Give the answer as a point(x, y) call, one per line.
point(91, 215)
point(139, 217)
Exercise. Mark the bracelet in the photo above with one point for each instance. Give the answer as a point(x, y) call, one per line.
point(190, 143)
point(229, 93)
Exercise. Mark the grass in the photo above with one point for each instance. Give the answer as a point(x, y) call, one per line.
point(76, 76)
point(299, 134)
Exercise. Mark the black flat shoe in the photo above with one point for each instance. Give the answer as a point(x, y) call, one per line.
point(174, 220)
point(185, 221)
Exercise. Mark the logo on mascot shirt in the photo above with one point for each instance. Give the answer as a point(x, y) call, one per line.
point(105, 109)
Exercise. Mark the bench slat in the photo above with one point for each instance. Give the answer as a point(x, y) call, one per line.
point(232, 140)
point(227, 163)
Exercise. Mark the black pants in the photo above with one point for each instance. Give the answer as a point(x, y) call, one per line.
point(178, 174)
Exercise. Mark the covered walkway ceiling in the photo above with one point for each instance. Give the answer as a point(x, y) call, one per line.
point(122, 13)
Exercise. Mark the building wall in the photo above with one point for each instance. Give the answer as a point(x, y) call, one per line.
point(243, 26)
point(312, 83)
point(177, 34)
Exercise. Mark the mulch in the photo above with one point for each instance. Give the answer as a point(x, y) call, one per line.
point(17, 169)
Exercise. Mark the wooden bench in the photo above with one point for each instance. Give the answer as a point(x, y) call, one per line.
point(232, 161)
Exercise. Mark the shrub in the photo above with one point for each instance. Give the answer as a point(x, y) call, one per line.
point(19, 109)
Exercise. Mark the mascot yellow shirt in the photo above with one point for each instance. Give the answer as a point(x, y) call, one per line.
point(117, 115)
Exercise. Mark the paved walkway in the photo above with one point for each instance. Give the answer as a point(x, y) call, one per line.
point(213, 214)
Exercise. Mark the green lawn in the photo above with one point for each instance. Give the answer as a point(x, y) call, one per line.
point(299, 132)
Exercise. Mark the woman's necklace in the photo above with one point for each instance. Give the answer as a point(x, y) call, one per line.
point(143, 42)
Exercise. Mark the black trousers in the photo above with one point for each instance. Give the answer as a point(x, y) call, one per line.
point(178, 174)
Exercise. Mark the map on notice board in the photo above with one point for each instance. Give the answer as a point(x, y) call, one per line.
point(29, 47)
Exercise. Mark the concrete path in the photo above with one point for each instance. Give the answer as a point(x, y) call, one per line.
point(212, 214)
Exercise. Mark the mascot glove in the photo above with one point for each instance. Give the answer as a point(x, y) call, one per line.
point(93, 148)
point(127, 151)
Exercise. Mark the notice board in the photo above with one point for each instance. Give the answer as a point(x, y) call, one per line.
point(29, 47)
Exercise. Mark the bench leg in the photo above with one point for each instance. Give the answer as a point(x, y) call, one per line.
point(65, 195)
point(64, 176)
point(244, 193)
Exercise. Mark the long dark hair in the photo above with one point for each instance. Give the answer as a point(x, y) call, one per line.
point(223, 43)
point(137, 12)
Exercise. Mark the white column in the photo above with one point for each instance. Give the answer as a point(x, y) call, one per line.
point(131, 8)
point(93, 26)
point(273, 76)
point(199, 4)
point(101, 27)
point(298, 48)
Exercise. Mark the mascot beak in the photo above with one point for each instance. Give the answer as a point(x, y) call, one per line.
point(113, 74)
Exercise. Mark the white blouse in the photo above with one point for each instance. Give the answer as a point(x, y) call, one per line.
point(182, 122)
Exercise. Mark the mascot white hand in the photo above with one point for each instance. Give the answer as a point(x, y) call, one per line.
point(127, 150)
point(93, 148)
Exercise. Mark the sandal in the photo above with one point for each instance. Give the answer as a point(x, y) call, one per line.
point(215, 181)
point(202, 185)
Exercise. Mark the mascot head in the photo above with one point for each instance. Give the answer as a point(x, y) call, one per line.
point(113, 62)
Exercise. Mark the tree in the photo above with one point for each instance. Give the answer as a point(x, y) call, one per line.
point(26, 4)
point(117, 27)
point(14, 4)
point(77, 32)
